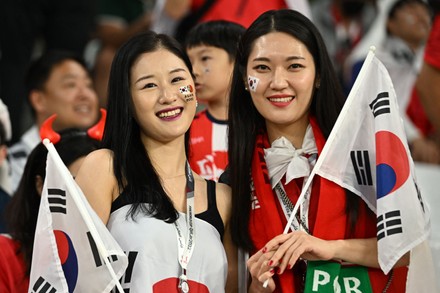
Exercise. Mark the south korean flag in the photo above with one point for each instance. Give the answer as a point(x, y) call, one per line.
point(253, 83)
point(187, 89)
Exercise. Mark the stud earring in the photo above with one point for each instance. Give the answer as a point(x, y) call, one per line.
point(197, 103)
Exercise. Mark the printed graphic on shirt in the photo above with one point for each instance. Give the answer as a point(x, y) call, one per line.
point(153, 265)
point(254, 200)
point(126, 278)
point(209, 146)
point(170, 285)
point(207, 167)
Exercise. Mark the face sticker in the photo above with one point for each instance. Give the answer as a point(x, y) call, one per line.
point(253, 83)
point(188, 92)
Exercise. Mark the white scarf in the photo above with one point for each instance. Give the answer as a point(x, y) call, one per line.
point(282, 158)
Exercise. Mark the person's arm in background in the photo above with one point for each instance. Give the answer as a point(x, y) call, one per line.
point(117, 21)
point(428, 82)
point(114, 34)
point(177, 9)
point(428, 87)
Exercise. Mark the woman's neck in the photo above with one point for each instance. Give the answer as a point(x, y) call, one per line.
point(168, 159)
point(294, 132)
point(218, 109)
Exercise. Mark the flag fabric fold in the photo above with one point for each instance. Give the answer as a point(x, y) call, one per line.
point(67, 255)
point(367, 153)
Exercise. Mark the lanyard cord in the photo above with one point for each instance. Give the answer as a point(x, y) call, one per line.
point(186, 248)
point(287, 206)
point(300, 222)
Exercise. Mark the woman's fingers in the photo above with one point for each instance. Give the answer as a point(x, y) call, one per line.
point(261, 271)
point(288, 248)
point(287, 251)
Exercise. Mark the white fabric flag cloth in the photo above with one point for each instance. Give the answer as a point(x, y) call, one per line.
point(367, 153)
point(66, 257)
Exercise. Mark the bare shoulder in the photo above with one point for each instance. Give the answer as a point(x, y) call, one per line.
point(96, 167)
point(223, 190)
point(98, 158)
point(95, 178)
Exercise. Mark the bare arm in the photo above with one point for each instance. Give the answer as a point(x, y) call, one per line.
point(114, 34)
point(428, 88)
point(290, 247)
point(177, 9)
point(283, 251)
point(96, 180)
point(224, 205)
point(232, 255)
point(362, 252)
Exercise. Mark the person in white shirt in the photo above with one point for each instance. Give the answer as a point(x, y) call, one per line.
point(57, 83)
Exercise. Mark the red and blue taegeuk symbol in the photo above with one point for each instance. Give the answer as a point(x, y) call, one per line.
point(68, 258)
point(392, 164)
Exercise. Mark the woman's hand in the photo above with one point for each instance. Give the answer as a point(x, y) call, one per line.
point(288, 248)
point(260, 270)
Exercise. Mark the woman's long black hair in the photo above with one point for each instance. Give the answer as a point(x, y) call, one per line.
point(245, 121)
point(132, 166)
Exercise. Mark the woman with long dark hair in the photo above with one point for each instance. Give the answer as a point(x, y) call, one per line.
point(284, 102)
point(171, 219)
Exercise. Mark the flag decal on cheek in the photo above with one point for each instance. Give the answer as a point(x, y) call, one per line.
point(188, 92)
point(253, 83)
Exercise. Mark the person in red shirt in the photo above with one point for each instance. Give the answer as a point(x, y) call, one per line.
point(243, 12)
point(211, 47)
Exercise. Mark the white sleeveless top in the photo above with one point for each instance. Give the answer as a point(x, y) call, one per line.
point(151, 246)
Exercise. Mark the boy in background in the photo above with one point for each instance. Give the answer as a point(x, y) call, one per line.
point(211, 47)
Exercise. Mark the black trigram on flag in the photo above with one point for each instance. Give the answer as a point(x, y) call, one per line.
point(42, 286)
point(57, 200)
point(97, 258)
point(361, 166)
point(389, 224)
point(381, 105)
point(126, 278)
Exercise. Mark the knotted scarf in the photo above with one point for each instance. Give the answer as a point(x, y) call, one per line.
point(283, 159)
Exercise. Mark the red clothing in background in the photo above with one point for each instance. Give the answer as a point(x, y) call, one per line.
point(12, 267)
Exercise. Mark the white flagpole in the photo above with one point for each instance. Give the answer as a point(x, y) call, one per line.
point(331, 138)
point(85, 215)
